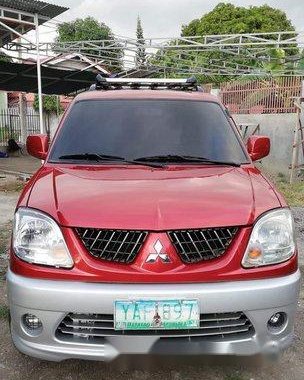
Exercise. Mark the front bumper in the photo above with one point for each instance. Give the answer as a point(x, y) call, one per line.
point(51, 301)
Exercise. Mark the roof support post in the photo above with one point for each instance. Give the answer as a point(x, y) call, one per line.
point(39, 76)
point(22, 115)
point(22, 109)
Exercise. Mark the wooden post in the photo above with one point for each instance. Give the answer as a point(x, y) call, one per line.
point(295, 146)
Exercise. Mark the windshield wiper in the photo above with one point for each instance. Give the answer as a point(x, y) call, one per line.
point(105, 157)
point(90, 157)
point(181, 158)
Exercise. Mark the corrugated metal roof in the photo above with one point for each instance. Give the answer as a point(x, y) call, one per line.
point(12, 8)
point(23, 77)
point(33, 6)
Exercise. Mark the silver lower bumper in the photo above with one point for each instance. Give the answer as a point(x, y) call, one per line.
point(52, 300)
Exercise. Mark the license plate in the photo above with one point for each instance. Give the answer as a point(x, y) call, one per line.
point(162, 314)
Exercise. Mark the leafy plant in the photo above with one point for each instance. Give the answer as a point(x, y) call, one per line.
point(50, 104)
point(90, 29)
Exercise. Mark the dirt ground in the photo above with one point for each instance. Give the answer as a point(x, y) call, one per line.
point(15, 366)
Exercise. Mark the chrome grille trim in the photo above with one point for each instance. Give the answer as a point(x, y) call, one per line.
point(112, 245)
point(95, 326)
point(198, 245)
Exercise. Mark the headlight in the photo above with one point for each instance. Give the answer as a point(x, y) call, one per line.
point(272, 239)
point(38, 239)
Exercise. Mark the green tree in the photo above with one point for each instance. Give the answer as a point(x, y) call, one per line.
point(90, 29)
point(140, 52)
point(301, 61)
point(50, 105)
point(227, 18)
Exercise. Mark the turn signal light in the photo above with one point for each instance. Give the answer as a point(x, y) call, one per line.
point(254, 253)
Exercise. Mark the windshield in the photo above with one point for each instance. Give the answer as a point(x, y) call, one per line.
point(133, 129)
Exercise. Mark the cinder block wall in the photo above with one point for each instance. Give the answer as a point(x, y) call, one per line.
point(280, 128)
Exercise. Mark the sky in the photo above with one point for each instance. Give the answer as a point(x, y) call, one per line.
point(160, 18)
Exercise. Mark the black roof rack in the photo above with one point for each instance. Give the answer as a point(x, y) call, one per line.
point(103, 83)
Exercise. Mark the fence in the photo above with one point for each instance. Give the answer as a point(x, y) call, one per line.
point(10, 124)
point(275, 95)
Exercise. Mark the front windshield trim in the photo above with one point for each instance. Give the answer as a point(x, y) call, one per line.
point(232, 125)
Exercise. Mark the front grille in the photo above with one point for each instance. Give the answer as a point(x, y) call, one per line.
point(97, 326)
point(112, 245)
point(194, 246)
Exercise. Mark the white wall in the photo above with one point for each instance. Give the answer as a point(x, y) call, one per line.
point(280, 128)
point(54, 122)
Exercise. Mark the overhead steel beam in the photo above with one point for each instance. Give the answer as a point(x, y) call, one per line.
point(252, 49)
point(255, 40)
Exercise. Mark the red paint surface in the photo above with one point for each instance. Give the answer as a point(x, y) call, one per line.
point(154, 199)
point(87, 268)
point(133, 197)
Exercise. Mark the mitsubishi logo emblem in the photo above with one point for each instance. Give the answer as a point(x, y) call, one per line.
point(153, 257)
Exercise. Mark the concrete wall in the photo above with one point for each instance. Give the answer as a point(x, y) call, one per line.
point(280, 128)
point(54, 122)
point(3, 100)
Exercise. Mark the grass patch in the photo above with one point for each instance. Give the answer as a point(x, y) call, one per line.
point(12, 186)
point(4, 312)
point(234, 377)
point(5, 233)
point(293, 193)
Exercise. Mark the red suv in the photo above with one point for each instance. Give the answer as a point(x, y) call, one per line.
point(149, 230)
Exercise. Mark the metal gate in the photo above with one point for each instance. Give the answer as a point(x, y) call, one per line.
point(10, 124)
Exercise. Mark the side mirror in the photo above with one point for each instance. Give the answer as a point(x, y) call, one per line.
point(37, 146)
point(258, 147)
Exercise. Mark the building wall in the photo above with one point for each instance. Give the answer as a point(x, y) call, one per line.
point(3, 100)
point(280, 129)
point(54, 122)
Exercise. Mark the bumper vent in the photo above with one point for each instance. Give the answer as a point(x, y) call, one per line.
point(194, 246)
point(94, 326)
point(112, 245)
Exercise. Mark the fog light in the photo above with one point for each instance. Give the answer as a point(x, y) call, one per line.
point(277, 321)
point(32, 322)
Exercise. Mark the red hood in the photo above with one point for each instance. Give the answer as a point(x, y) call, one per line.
point(135, 197)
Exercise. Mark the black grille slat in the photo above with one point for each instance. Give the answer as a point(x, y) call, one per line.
point(91, 326)
point(122, 246)
point(101, 333)
point(198, 245)
point(112, 245)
